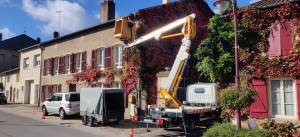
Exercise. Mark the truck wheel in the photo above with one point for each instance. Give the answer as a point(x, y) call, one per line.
point(84, 120)
point(62, 114)
point(91, 121)
point(190, 125)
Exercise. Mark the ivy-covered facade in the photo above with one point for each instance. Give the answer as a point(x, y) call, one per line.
point(269, 46)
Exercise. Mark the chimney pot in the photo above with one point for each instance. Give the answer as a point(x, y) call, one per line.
point(166, 1)
point(107, 11)
point(38, 39)
point(55, 34)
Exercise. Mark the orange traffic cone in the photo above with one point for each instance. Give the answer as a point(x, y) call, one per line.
point(131, 133)
point(43, 116)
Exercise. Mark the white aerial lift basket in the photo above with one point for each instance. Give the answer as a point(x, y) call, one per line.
point(202, 93)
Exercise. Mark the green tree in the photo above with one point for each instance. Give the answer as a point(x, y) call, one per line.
point(216, 53)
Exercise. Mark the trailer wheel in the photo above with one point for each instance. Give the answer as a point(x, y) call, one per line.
point(84, 120)
point(91, 121)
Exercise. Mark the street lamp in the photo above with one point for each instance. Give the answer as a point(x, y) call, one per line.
point(222, 5)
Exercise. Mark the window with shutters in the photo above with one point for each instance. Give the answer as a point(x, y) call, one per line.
point(67, 64)
point(118, 60)
point(26, 63)
point(37, 60)
point(48, 66)
point(56, 65)
point(101, 59)
point(78, 62)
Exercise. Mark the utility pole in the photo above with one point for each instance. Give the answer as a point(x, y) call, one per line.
point(59, 11)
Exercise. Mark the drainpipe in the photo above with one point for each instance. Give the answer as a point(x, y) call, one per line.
point(39, 93)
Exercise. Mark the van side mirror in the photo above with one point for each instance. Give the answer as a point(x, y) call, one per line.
point(48, 99)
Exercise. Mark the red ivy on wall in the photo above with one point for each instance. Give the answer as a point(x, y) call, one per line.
point(262, 66)
point(154, 55)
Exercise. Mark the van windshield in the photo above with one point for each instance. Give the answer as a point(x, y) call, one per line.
point(72, 97)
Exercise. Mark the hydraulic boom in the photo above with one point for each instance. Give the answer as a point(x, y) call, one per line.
point(125, 31)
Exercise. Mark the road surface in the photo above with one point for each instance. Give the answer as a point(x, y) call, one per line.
point(17, 126)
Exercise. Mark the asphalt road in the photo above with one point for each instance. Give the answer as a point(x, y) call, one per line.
point(16, 126)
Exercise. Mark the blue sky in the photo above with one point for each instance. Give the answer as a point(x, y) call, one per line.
point(39, 18)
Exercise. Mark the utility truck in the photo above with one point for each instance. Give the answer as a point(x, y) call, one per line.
point(201, 100)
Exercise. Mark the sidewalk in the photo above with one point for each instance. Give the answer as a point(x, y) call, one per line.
point(111, 130)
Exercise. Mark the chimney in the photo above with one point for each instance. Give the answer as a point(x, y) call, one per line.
point(166, 1)
point(38, 39)
point(55, 34)
point(0, 36)
point(107, 10)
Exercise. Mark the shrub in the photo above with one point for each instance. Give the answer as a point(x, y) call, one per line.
point(229, 130)
point(224, 130)
point(286, 129)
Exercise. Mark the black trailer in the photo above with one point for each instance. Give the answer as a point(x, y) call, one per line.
point(101, 105)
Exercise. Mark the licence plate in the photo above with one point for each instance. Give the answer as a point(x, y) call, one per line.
point(113, 120)
point(148, 120)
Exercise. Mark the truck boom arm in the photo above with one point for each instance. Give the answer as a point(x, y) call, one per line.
point(168, 92)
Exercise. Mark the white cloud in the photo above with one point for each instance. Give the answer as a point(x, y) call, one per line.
point(97, 16)
point(6, 33)
point(117, 15)
point(253, 1)
point(4, 1)
point(72, 18)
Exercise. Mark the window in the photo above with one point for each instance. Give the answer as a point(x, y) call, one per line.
point(48, 67)
point(78, 62)
point(2, 59)
point(53, 98)
point(72, 97)
point(100, 85)
point(59, 97)
point(67, 63)
point(37, 60)
point(118, 85)
point(200, 90)
point(56, 65)
point(101, 59)
point(26, 63)
point(55, 88)
point(118, 62)
point(72, 88)
point(282, 97)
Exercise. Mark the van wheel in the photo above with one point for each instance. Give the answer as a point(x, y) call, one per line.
point(62, 113)
point(84, 120)
point(44, 110)
point(91, 121)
